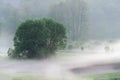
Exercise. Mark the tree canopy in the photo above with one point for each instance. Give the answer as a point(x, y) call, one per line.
point(38, 38)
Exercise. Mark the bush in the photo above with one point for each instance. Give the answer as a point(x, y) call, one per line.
point(38, 38)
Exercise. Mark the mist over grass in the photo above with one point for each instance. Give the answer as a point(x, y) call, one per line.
point(99, 55)
point(61, 65)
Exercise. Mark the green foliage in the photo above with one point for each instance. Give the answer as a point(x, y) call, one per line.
point(38, 38)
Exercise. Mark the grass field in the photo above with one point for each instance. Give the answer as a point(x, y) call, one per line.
point(106, 76)
point(60, 67)
point(27, 76)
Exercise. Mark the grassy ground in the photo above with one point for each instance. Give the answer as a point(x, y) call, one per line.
point(106, 76)
point(23, 77)
point(27, 76)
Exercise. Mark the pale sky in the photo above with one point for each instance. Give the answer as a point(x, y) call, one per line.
point(105, 18)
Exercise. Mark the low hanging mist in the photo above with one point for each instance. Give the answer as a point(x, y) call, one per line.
point(93, 38)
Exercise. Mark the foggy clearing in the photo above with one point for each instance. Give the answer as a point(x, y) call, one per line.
point(59, 39)
point(69, 63)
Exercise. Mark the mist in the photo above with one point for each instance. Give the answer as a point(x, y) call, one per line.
point(104, 19)
point(93, 37)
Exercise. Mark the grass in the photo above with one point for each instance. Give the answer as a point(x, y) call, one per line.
point(107, 76)
point(21, 76)
point(27, 76)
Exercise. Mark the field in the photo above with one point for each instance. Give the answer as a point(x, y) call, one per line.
point(92, 63)
point(27, 76)
point(107, 76)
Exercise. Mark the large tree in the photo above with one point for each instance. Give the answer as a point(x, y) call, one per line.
point(38, 38)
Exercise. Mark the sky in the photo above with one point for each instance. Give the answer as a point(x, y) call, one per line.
point(104, 17)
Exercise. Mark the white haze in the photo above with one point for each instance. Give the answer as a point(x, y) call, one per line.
point(104, 25)
point(61, 65)
point(104, 19)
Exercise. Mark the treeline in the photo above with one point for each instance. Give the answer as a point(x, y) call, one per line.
point(73, 13)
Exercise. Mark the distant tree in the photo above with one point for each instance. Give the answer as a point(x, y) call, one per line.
point(38, 38)
point(73, 14)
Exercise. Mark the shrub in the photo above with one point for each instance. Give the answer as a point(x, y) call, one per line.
point(38, 38)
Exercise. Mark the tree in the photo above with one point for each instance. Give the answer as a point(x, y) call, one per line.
point(38, 38)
